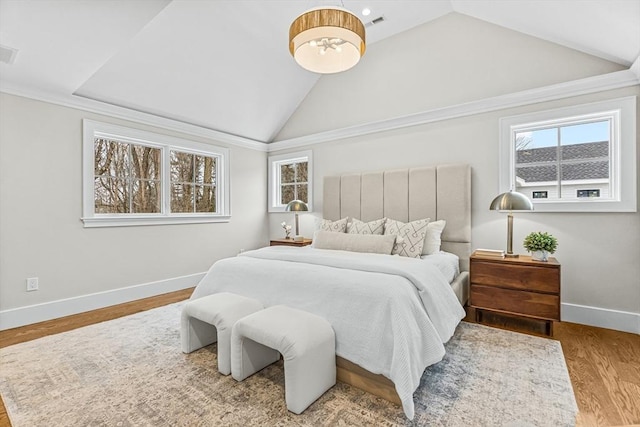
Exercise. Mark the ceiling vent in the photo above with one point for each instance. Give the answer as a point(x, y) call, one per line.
point(378, 20)
point(7, 54)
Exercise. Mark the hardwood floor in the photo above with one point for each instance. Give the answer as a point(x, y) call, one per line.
point(604, 365)
point(50, 327)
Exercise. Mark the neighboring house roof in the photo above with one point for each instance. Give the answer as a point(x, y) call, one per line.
point(579, 162)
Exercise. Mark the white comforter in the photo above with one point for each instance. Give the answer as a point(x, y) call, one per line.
point(391, 314)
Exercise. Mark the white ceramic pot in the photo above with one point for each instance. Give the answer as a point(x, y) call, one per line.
point(540, 255)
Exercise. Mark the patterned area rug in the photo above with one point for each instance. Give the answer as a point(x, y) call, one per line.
point(130, 371)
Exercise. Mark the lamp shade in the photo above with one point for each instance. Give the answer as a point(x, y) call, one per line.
point(511, 201)
point(296, 206)
point(327, 40)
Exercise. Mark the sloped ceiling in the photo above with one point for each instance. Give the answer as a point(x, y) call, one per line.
point(224, 65)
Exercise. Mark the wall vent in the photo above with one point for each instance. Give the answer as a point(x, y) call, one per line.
point(7, 54)
point(378, 20)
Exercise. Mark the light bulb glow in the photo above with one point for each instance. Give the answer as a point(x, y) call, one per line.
point(366, 11)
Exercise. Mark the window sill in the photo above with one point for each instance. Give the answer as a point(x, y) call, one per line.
point(584, 206)
point(105, 221)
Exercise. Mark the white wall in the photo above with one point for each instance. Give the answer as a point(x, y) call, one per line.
point(448, 61)
point(599, 252)
point(41, 234)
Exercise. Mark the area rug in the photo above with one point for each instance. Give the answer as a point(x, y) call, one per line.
point(130, 372)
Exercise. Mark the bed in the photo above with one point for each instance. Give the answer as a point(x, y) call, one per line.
point(392, 315)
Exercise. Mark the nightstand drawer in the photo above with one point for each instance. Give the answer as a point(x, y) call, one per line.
point(530, 278)
point(544, 306)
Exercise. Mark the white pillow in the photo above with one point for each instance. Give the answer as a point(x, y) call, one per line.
point(432, 241)
point(355, 226)
point(368, 243)
point(413, 233)
point(339, 226)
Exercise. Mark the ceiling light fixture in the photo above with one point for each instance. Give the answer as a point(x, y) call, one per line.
point(327, 40)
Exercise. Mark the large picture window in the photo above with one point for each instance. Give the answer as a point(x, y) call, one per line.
point(577, 159)
point(133, 177)
point(290, 177)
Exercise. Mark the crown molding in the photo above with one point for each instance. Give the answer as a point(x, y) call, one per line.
point(604, 82)
point(635, 67)
point(93, 106)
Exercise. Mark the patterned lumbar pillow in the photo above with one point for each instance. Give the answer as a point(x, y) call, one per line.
point(355, 226)
point(413, 235)
point(339, 226)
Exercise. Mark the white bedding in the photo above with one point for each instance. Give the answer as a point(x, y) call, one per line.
point(447, 263)
point(391, 315)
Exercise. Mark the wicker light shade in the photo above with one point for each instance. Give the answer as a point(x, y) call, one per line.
point(327, 40)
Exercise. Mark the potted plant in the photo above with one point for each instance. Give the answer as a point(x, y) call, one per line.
point(540, 244)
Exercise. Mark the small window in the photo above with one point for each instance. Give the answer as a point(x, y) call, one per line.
point(540, 194)
point(290, 178)
point(576, 159)
point(588, 193)
point(133, 177)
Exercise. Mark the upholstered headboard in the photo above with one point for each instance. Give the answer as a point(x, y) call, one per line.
point(436, 192)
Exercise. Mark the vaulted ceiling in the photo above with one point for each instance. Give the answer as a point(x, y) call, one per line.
point(225, 65)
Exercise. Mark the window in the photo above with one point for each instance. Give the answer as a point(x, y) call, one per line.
point(576, 159)
point(290, 178)
point(133, 177)
point(193, 182)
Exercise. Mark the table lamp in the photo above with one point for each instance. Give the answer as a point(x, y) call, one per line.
point(297, 206)
point(511, 201)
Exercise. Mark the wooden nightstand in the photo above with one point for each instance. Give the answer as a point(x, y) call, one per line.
point(516, 286)
point(290, 242)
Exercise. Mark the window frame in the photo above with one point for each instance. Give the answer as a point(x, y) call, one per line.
point(622, 153)
point(93, 129)
point(274, 178)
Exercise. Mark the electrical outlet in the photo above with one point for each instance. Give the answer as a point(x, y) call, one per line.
point(32, 284)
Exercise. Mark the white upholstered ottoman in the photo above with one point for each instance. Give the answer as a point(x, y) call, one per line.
point(209, 319)
point(306, 341)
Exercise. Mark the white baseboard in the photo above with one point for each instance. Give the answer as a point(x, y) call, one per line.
point(21, 316)
point(601, 317)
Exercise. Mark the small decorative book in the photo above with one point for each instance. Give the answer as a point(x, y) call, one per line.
point(494, 253)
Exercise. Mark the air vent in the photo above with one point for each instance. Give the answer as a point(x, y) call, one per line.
point(378, 20)
point(7, 54)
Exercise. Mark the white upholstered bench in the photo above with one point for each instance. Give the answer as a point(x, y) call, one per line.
point(307, 344)
point(209, 319)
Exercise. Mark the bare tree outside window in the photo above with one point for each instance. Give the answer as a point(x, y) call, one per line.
point(193, 182)
point(126, 178)
point(293, 182)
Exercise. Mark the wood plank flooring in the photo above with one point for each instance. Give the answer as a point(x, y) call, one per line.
point(63, 324)
point(604, 365)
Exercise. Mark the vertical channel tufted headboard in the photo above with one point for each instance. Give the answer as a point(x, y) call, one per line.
point(436, 192)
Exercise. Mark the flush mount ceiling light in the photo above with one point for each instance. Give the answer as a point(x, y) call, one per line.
point(327, 40)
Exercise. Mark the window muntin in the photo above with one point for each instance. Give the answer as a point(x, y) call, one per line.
point(193, 182)
point(133, 177)
point(595, 149)
point(293, 181)
point(290, 178)
point(564, 158)
point(126, 178)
